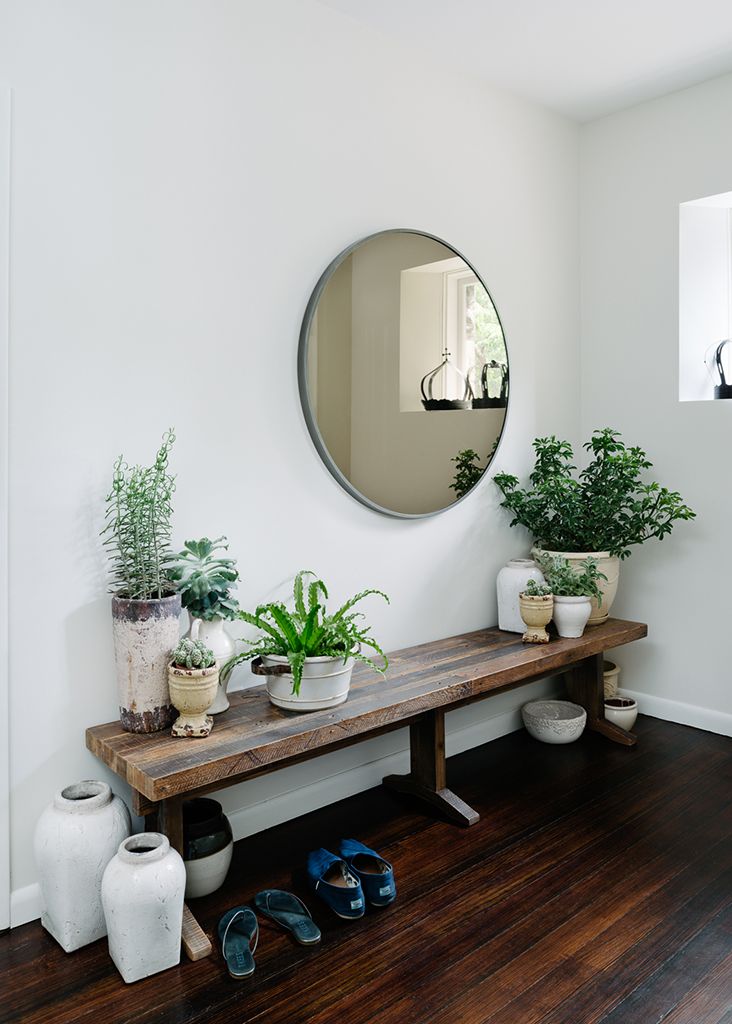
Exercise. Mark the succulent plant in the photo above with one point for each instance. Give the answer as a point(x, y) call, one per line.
point(192, 654)
point(536, 589)
point(205, 580)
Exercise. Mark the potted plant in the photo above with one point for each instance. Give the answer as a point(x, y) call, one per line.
point(602, 512)
point(306, 653)
point(536, 604)
point(145, 607)
point(572, 588)
point(205, 580)
point(193, 679)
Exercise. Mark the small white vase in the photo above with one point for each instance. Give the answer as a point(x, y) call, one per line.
point(213, 634)
point(571, 615)
point(142, 895)
point(75, 838)
point(325, 683)
point(510, 582)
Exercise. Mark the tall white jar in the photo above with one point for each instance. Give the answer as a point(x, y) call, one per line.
point(142, 896)
point(75, 838)
point(214, 635)
point(511, 580)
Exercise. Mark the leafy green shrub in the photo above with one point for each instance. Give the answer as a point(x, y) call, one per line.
point(565, 580)
point(535, 589)
point(205, 580)
point(606, 508)
point(192, 654)
point(467, 471)
point(138, 527)
point(308, 631)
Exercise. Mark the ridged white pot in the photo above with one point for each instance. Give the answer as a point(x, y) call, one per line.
point(75, 838)
point(510, 582)
point(571, 615)
point(142, 895)
point(607, 564)
point(214, 635)
point(325, 683)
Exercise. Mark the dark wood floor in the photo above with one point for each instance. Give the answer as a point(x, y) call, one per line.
point(596, 887)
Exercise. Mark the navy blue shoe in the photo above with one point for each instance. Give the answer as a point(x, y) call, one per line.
point(375, 874)
point(335, 884)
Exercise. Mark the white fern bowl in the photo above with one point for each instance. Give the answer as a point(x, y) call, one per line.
point(325, 683)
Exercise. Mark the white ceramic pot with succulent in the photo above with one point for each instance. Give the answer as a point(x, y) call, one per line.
point(536, 605)
point(145, 607)
point(600, 513)
point(193, 679)
point(572, 591)
point(306, 653)
point(205, 580)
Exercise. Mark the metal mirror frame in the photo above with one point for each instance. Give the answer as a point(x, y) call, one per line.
point(302, 377)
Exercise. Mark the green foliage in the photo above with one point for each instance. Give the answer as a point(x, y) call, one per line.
point(467, 473)
point(535, 589)
point(138, 518)
point(607, 507)
point(567, 581)
point(205, 580)
point(192, 654)
point(308, 631)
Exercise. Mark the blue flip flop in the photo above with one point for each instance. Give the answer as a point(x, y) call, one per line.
point(237, 928)
point(375, 874)
point(289, 913)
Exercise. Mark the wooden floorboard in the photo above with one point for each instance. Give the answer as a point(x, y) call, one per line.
point(597, 887)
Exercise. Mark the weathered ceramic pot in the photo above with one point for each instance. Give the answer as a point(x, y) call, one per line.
point(537, 614)
point(554, 721)
point(607, 564)
point(208, 846)
point(75, 838)
point(145, 632)
point(213, 634)
point(325, 682)
point(510, 582)
point(610, 678)
point(571, 615)
point(623, 711)
point(142, 896)
point(192, 692)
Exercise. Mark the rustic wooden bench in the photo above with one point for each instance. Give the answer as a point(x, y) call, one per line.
point(253, 737)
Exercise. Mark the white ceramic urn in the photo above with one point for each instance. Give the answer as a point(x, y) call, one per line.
point(142, 896)
point(511, 580)
point(75, 838)
point(571, 615)
point(214, 635)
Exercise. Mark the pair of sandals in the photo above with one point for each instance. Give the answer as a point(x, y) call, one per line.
point(239, 928)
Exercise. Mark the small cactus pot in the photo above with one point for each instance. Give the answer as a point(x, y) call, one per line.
point(193, 691)
point(537, 614)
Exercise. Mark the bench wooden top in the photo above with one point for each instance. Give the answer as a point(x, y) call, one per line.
point(253, 736)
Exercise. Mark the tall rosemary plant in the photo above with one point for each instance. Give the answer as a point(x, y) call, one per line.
point(138, 526)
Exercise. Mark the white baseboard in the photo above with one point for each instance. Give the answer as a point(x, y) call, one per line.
point(290, 792)
point(684, 714)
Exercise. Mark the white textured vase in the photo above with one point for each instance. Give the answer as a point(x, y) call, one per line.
point(145, 632)
point(75, 838)
point(142, 895)
point(571, 615)
point(213, 634)
point(510, 582)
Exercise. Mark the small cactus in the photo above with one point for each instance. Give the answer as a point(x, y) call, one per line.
point(192, 654)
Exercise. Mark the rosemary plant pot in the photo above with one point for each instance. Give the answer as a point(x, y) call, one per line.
point(537, 614)
point(607, 564)
point(193, 691)
point(325, 682)
point(145, 632)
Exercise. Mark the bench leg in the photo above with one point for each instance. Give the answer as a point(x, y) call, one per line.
point(170, 821)
point(585, 687)
point(427, 777)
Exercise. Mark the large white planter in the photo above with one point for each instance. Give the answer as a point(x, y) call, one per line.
point(145, 632)
point(607, 564)
point(510, 582)
point(571, 615)
point(142, 895)
point(325, 683)
point(213, 634)
point(75, 838)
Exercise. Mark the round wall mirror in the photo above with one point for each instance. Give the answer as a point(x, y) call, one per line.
point(403, 373)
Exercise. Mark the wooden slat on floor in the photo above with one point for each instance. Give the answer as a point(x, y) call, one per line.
point(596, 887)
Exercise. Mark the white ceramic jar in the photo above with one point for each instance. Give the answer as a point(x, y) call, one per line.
point(142, 896)
point(214, 635)
point(75, 838)
point(511, 580)
point(571, 615)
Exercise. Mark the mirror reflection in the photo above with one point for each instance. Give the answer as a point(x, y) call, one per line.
point(404, 373)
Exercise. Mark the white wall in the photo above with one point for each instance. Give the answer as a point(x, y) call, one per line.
point(637, 167)
point(182, 173)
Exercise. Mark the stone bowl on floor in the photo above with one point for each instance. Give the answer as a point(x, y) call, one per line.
point(554, 721)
